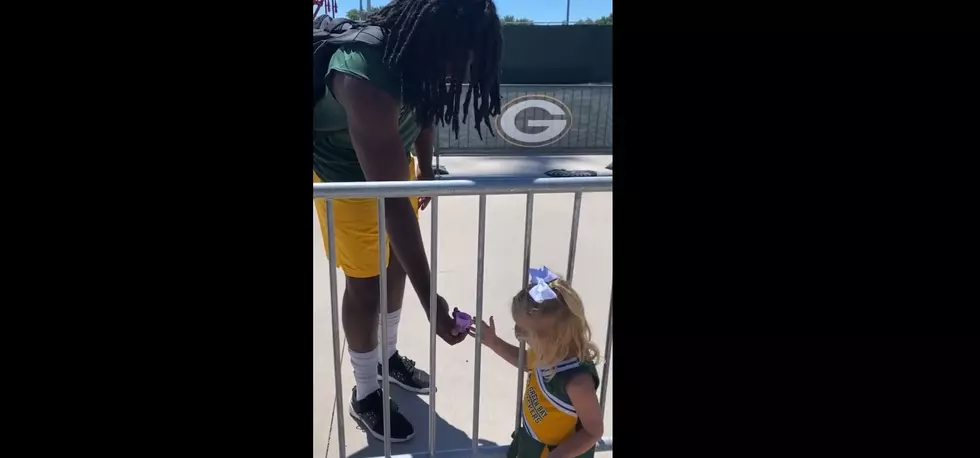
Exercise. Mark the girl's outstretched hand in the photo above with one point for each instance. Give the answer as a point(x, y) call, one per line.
point(489, 332)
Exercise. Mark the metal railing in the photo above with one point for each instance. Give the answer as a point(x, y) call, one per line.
point(435, 189)
point(590, 106)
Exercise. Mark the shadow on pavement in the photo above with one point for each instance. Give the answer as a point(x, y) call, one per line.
point(448, 437)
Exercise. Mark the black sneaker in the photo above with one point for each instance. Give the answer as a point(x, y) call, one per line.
point(404, 374)
point(369, 412)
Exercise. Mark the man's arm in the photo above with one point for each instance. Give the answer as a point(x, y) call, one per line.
point(372, 118)
point(423, 149)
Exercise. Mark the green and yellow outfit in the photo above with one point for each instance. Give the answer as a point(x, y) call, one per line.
point(548, 416)
point(334, 160)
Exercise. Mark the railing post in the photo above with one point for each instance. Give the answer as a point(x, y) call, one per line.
point(433, 317)
point(522, 351)
point(573, 239)
point(334, 324)
point(477, 360)
point(607, 357)
point(383, 277)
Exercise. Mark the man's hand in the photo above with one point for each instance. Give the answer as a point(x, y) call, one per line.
point(423, 147)
point(425, 174)
point(445, 323)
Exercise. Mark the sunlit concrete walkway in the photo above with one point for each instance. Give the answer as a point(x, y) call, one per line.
point(457, 283)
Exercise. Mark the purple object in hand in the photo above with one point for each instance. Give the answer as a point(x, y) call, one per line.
point(463, 321)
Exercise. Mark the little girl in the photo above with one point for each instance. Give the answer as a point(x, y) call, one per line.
point(561, 417)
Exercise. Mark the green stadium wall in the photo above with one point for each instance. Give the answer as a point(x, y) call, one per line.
point(575, 54)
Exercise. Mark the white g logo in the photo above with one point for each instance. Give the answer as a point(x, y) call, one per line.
point(554, 129)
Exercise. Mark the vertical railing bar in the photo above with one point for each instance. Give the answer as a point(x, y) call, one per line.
point(605, 129)
point(433, 318)
point(587, 107)
point(526, 113)
point(609, 115)
point(521, 366)
point(495, 139)
point(477, 361)
point(607, 357)
point(522, 352)
point(588, 121)
point(530, 113)
point(573, 239)
point(568, 103)
point(587, 104)
point(578, 128)
point(578, 132)
point(507, 98)
point(435, 151)
point(468, 131)
point(554, 95)
point(335, 324)
point(383, 294)
point(598, 114)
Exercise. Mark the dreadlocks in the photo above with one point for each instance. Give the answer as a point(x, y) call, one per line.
point(430, 44)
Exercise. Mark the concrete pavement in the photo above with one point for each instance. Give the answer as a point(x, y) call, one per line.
point(457, 283)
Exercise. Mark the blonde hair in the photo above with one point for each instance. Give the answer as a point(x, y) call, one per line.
point(571, 335)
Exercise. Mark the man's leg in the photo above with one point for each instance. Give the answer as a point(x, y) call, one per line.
point(359, 315)
point(396, 294)
point(356, 246)
point(360, 319)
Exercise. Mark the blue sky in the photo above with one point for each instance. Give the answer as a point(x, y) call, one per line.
point(535, 10)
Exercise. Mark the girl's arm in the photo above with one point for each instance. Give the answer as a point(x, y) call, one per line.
point(581, 389)
point(504, 350)
point(490, 339)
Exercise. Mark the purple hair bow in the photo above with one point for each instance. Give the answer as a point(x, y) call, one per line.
point(540, 278)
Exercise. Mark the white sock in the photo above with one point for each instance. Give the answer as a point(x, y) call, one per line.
point(365, 372)
point(391, 346)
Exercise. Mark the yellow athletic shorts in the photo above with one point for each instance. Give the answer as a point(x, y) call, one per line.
point(356, 231)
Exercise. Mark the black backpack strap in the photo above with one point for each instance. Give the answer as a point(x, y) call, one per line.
point(330, 25)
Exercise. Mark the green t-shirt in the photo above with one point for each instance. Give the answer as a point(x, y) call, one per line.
point(333, 151)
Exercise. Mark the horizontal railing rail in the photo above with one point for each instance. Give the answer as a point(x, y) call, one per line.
point(435, 189)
